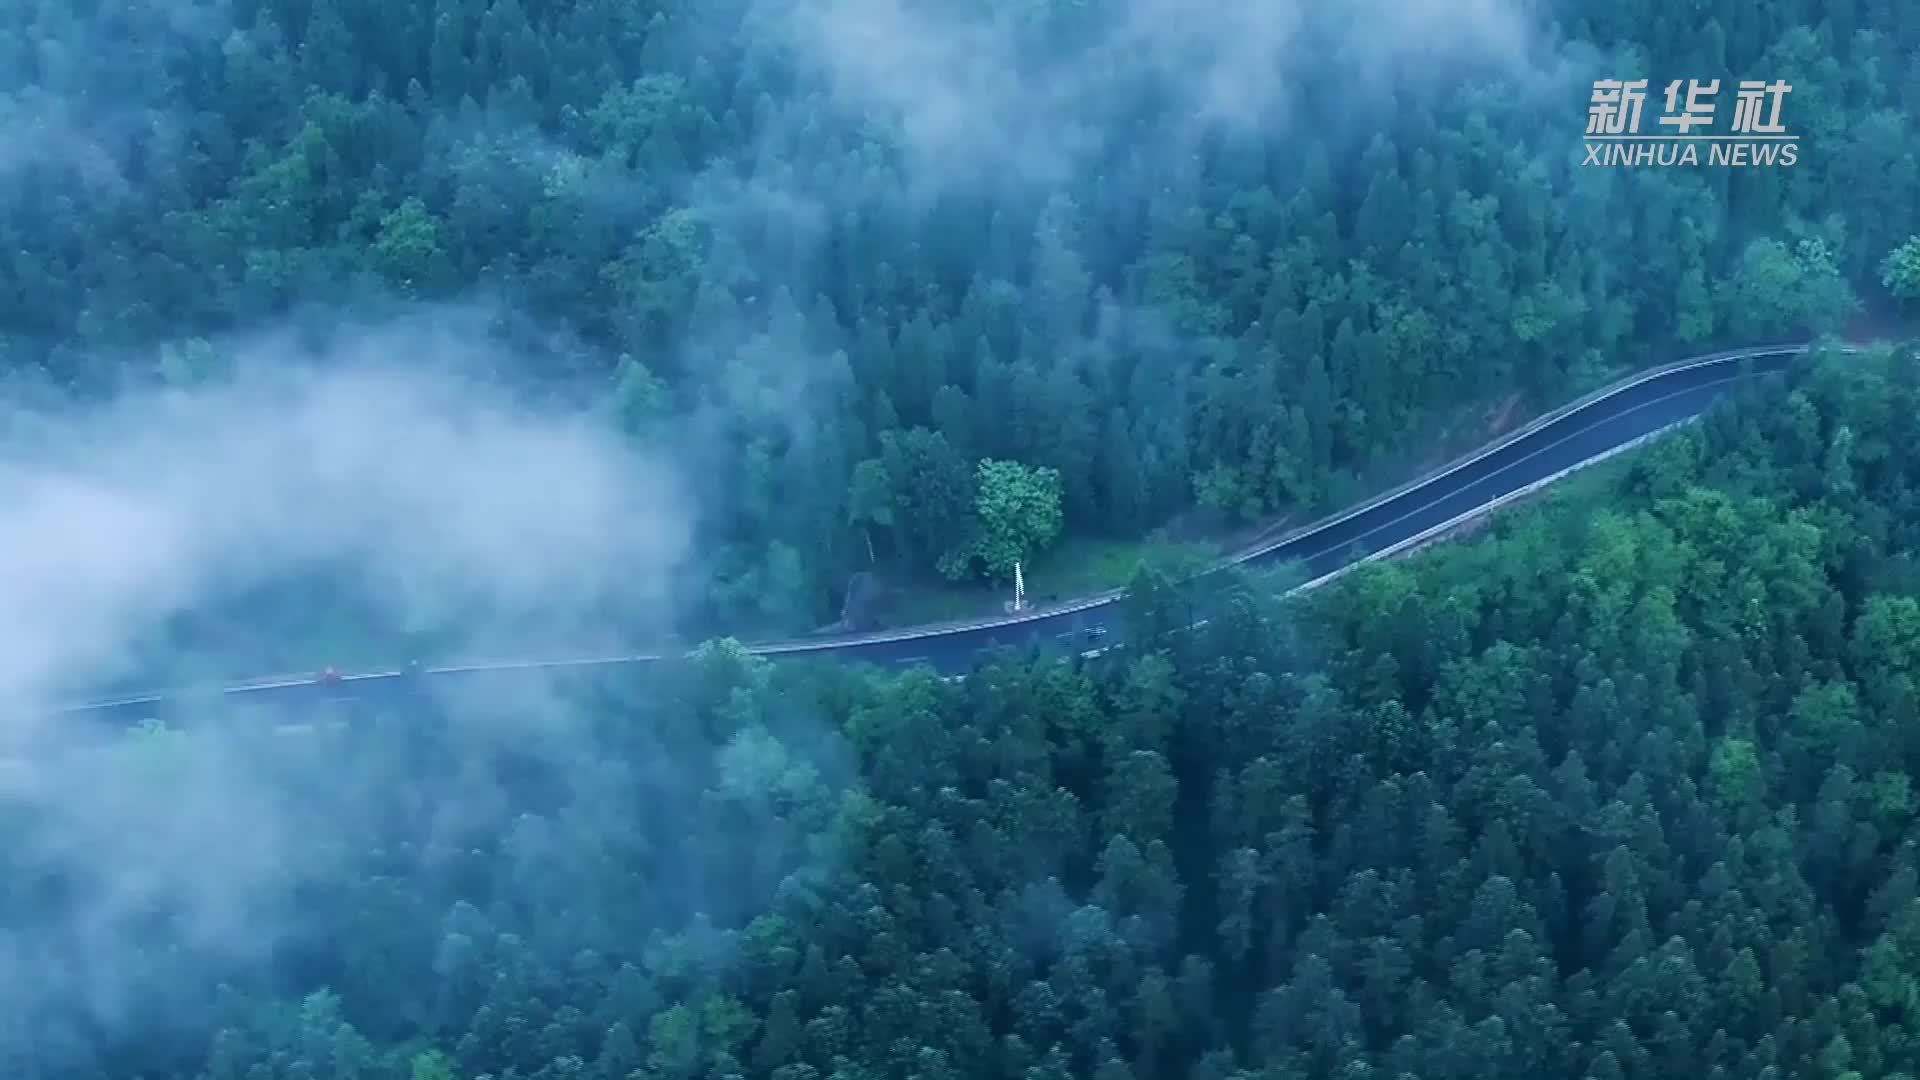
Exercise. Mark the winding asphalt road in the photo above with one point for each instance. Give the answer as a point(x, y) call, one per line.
point(1602, 423)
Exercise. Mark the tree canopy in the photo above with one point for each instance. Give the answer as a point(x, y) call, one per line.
point(1619, 788)
point(1017, 513)
point(1900, 274)
point(1049, 236)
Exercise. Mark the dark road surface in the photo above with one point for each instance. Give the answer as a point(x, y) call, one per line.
point(1561, 441)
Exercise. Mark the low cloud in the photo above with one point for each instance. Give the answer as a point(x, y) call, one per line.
point(87, 96)
point(184, 856)
point(366, 458)
point(1030, 93)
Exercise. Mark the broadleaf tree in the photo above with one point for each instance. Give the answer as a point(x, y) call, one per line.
point(1017, 513)
point(1900, 272)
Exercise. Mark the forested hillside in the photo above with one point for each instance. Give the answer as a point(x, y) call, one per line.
point(1234, 258)
point(1621, 791)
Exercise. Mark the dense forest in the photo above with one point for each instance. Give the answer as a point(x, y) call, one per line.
point(1621, 790)
point(1206, 266)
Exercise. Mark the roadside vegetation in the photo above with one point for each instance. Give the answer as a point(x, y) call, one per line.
point(810, 313)
point(1621, 787)
point(751, 239)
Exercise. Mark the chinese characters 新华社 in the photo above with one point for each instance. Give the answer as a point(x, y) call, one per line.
point(1616, 106)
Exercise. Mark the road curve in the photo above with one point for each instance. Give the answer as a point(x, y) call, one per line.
point(1585, 430)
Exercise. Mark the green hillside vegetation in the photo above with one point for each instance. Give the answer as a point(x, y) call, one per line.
point(701, 229)
point(1621, 789)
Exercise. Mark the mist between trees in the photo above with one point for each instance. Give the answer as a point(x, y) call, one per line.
point(1208, 267)
point(337, 328)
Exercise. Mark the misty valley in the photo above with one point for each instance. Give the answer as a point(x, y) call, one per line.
point(380, 353)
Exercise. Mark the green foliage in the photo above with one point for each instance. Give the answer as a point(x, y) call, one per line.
point(1735, 774)
point(1630, 774)
point(1900, 272)
point(433, 1065)
point(1622, 795)
point(639, 398)
point(189, 364)
point(407, 249)
point(700, 218)
point(1777, 290)
point(1016, 513)
point(922, 488)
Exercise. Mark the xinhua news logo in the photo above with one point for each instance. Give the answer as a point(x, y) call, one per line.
point(1755, 137)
